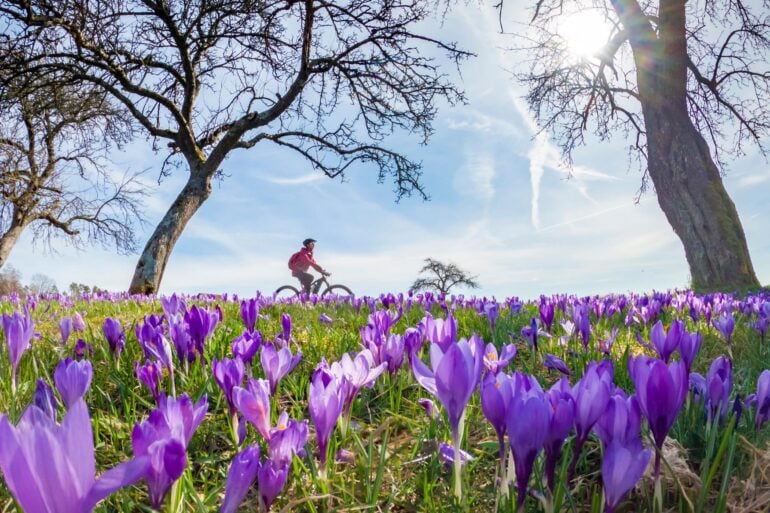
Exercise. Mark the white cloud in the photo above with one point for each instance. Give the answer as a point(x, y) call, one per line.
point(296, 180)
point(476, 176)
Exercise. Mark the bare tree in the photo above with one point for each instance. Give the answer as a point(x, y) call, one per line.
point(10, 281)
point(54, 177)
point(442, 277)
point(42, 284)
point(688, 83)
point(328, 80)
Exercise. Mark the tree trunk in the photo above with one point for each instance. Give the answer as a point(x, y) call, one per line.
point(692, 196)
point(149, 270)
point(8, 240)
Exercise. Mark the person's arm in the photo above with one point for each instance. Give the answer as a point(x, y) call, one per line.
point(315, 265)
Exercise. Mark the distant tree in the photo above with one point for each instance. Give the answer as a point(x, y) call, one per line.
point(442, 277)
point(42, 284)
point(329, 81)
point(688, 83)
point(78, 289)
point(10, 281)
point(54, 177)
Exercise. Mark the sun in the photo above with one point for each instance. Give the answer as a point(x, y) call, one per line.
point(584, 33)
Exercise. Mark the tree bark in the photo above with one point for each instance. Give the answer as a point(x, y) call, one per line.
point(8, 240)
point(151, 265)
point(687, 182)
point(692, 196)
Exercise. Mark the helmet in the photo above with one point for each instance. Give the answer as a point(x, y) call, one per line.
point(307, 241)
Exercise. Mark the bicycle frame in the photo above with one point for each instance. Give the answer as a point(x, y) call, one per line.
point(315, 287)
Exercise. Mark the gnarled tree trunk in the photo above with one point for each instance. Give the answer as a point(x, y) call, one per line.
point(9, 238)
point(687, 181)
point(691, 194)
point(149, 270)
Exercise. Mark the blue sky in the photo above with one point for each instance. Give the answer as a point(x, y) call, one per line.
point(502, 206)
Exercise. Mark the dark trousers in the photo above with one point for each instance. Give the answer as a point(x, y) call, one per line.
point(305, 279)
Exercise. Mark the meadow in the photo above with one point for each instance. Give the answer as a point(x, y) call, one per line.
point(218, 403)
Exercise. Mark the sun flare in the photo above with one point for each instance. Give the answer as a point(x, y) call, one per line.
point(584, 33)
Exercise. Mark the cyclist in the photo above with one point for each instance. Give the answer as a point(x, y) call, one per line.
point(301, 261)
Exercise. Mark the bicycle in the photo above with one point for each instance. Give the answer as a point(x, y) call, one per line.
point(315, 287)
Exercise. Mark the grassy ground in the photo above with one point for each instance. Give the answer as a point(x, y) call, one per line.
point(397, 467)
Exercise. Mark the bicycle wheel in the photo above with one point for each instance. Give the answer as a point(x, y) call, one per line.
point(286, 292)
point(337, 290)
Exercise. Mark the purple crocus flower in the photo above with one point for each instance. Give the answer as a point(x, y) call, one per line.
point(591, 395)
point(355, 374)
point(287, 438)
point(201, 324)
point(250, 314)
point(163, 439)
point(606, 343)
point(725, 324)
point(325, 401)
point(278, 363)
point(271, 477)
point(561, 422)
point(65, 328)
point(492, 312)
point(113, 332)
point(151, 337)
point(546, 311)
point(689, 345)
point(183, 342)
point(72, 379)
point(78, 323)
point(392, 352)
point(495, 397)
point(530, 333)
point(761, 325)
point(526, 437)
point(19, 330)
point(447, 454)
point(622, 467)
point(493, 362)
point(454, 376)
point(45, 399)
point(254, 403)
point(763, 398)
point(557, 364)
point(666, 343)
point(150, 375)
point(430, 408)
point(442, 332)
point(621, 421)
point(246, 346)
point(228, 374)
point(51, 468)
point(240, 477)
point(173, 306)
point(286, 326)
point(661, 390)
point(719, 385)
point(325, 319)
point(81, 348)
point(583, 324)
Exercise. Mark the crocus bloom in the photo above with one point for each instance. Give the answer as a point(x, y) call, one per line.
point(271, 478)
point(325, 319)
point(442, 332)
point(763, 398)
point(78, 324)
point(247, 345)
point(492, 311)
point(201, 324)
point(65, 328)
point(113, 332)
point(72, 379)
point(19, 330)
point(606, 343)
point(250, 313)
point(530, 333)
point(622, 467)
point(254, 403)
point(325, 401)
point(278, 363)
point(430, 408)
point(392, 352)
point(719, 385)
point(661, 390)
point(287, 438)
point(621, 421)
point(183, 342)
point(493, 362)
point(546, 311)
point(689, 345)
point(725, 325)
point(163, 438)
point(447, 454)
point(45, 399)
point(559, 427)
point(150, 375)
point(286, 326)
point(527, 426)
point(172, 306)
point(666, 343)
point(240, 477)
point(557, 364)
point(495, 397)
point(356, 373)
point(228, 374)
point(51, 468)
point(454, 376)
